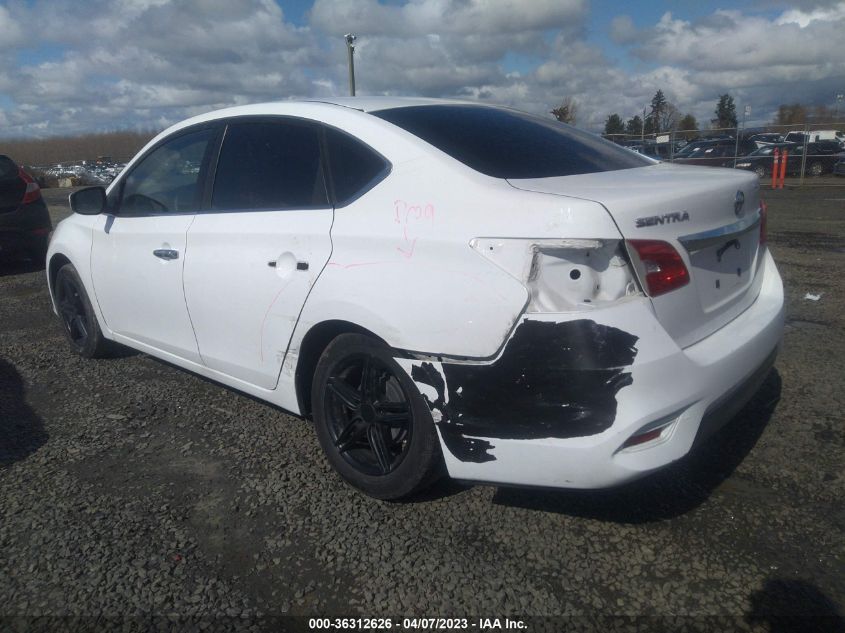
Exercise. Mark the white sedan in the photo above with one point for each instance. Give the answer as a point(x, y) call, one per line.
point(441, 286)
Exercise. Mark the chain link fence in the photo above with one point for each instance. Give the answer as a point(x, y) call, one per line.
point(814, 154)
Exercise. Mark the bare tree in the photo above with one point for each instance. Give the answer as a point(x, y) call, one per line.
point(669, 118)
point(791, 114)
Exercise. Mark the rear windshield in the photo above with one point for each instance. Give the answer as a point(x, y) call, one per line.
point(509, 144)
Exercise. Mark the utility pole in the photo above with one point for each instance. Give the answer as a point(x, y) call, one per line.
point(350, 48)
point(642, 130)
point(839, 99)
point(745, 113)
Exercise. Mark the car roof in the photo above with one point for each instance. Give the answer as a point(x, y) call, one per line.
point(372, 104)
point(300, 106)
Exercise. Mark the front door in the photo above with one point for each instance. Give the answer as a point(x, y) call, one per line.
point(254, 255)
point(138, 251)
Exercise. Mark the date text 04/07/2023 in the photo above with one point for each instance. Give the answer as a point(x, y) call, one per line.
point(411, 624)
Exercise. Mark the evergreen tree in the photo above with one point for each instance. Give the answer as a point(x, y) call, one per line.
point(614, 125)
point(634, 126)
point(659, 106)
point(725, 112)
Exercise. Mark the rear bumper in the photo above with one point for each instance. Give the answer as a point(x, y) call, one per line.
point(26, 229)
point(690, 392)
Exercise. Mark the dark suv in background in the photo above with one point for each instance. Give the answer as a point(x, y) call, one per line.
point(713, 152)
point(24, 220)
point(821, 157)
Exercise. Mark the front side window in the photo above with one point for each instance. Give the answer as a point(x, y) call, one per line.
point(167, 180)
point(269, 165)
point(509, 144)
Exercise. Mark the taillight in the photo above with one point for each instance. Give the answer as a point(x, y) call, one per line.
point(661, 266)
point(764, 212)
point(33, 191)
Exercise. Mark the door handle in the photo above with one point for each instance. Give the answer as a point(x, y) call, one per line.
point(166, 253)
point(299, 265)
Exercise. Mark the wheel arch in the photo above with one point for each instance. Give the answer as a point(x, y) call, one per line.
point(313, 344)
point(57, 260)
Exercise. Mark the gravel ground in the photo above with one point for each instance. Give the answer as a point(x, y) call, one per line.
point(129, 487)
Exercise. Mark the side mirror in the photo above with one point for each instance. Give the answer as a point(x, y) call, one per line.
point(88, 201)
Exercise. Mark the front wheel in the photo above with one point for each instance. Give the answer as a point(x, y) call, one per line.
point(371, 420)
point(77, 316)
point(760, 171)
point(815, 170)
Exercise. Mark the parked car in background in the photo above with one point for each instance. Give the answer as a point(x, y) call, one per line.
point(439, 285)
point(766, 138)
point(839, 167)
point(714, 153)
point(820, 159)
point(24, 220)
point(644, 150)
point(815, 136)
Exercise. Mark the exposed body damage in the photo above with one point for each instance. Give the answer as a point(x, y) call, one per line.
point(607, 374)
point(552, 380)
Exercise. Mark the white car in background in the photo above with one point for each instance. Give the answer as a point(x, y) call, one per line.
point(437, 284)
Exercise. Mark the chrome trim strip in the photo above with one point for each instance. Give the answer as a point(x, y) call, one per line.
point(699, 241)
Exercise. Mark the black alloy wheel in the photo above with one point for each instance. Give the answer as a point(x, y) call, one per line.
point(374, 426)
point(79, 322)
point(72, 310)
point(369, 415)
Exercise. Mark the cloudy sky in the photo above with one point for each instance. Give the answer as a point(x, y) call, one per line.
point(71, 66)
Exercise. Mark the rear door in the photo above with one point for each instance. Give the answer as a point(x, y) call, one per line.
point(255, 253)
point(138, 250)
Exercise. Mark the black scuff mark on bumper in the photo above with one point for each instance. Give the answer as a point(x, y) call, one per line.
point(553, 380)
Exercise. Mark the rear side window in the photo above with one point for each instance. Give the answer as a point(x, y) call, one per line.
point(508, 144)
point(269, 165)
point(355, 167)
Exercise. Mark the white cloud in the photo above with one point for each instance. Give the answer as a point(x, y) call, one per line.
point(146, 63)
point(804, 17)
point(731, 40)
point(487, 18)
point(623, 30)
point(11, 31)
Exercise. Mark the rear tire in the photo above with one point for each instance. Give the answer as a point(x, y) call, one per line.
point(79, 322)
point(815, 169)
point(372, 423)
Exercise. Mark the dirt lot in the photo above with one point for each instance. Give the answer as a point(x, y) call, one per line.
point(129, 487)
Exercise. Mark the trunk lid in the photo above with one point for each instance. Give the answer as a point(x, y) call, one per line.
point(697, 211)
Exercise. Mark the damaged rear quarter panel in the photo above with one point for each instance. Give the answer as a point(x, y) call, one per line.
point(552, 380)
point(402, 266)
